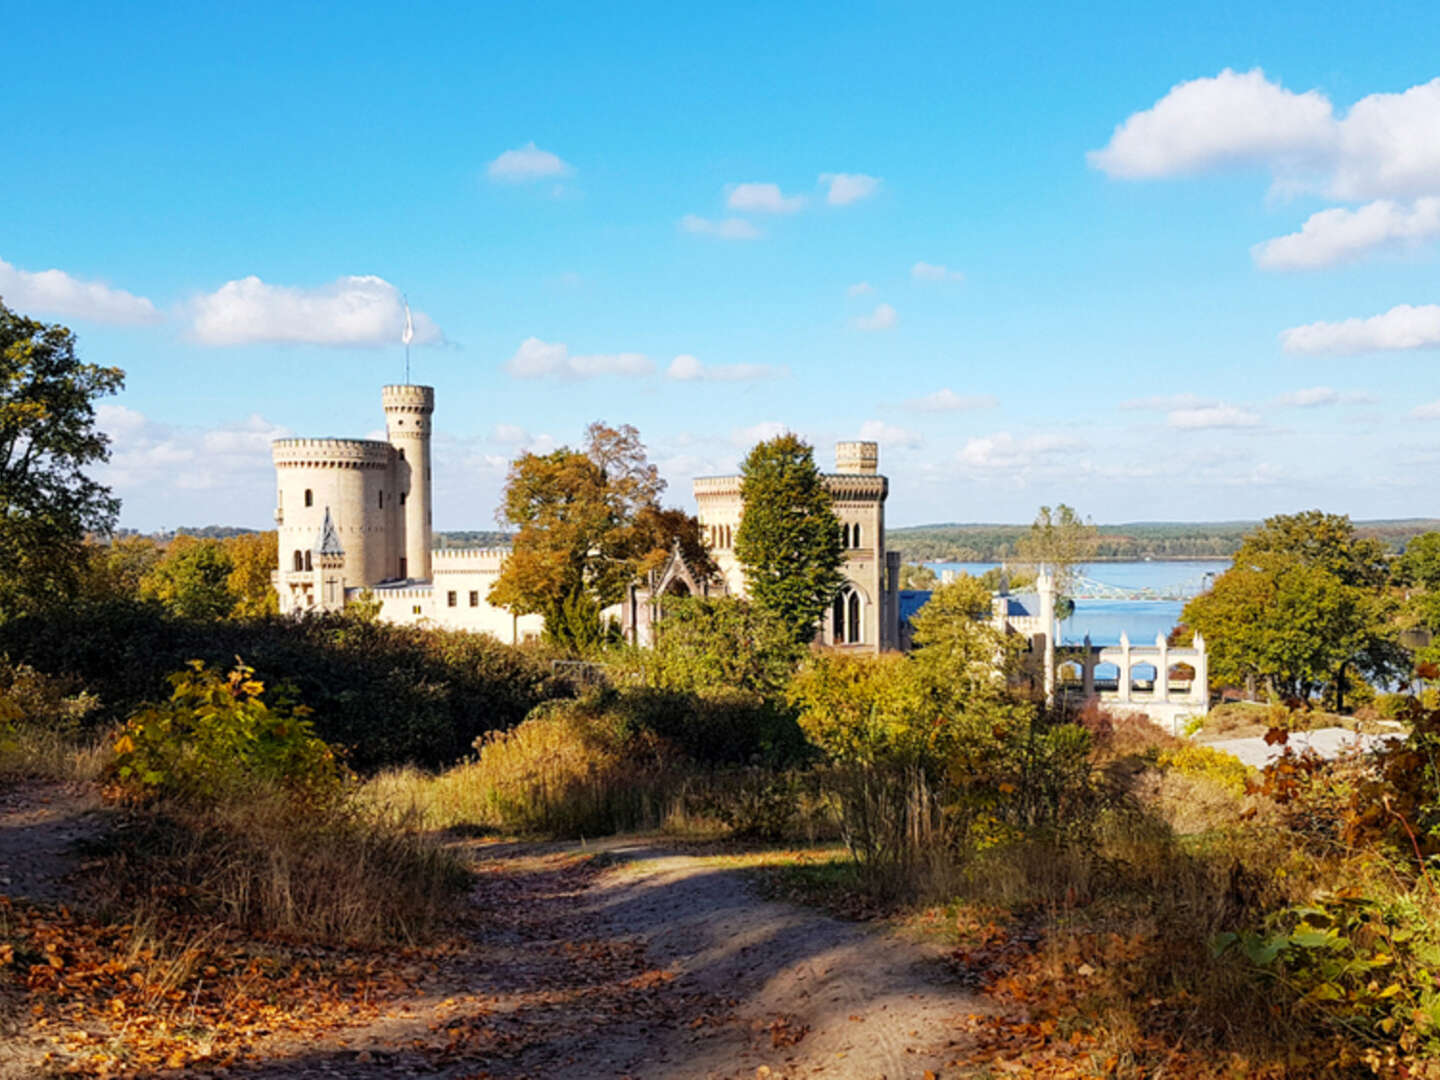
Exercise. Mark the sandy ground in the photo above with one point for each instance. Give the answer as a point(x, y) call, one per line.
point(624, 959)
point(738, 986)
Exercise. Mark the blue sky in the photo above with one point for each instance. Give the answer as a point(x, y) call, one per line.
point(1158, 264)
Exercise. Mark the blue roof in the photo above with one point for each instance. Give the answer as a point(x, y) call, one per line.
point(911, 601)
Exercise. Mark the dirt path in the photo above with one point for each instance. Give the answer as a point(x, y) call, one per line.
point(648, 962)
point(41, 825)
point(625, 959)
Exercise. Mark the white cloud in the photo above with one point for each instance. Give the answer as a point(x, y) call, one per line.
point(756, 433)
point(150, 462)
point(764, 199)
point(536, 359)
point(509, 433)
point(947, 400)
point(687, 368)
point(923, 271)
point(1428, 411)
point(882, 318)
point(726, 229)
point(1339, 235)
point(527, 163)
point(1233, 118)
point(847, 188)
point(889, 434)
point(1210, 417)
point(1402, 327)
point(860, 288)
point(1384, 146)
point(1166, 402)
point(353, 311)
point(1313, 396)
point(55, 293)
point(1004, 451)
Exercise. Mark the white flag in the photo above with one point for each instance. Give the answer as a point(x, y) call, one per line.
point(408, 335)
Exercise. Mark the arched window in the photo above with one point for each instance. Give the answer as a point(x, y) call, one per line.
point(845, 623)
point(857, 535)
point(307, 561)
point(729, 539)
point(309, 497)
point(299, 561)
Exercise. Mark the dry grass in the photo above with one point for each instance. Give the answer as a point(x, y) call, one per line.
point(264, 865)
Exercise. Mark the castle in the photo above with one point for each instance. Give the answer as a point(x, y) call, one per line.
point(356, 514)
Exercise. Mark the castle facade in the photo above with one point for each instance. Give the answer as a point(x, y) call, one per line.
point(356, 514)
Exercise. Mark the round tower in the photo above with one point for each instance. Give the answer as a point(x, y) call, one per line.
point(407, 426)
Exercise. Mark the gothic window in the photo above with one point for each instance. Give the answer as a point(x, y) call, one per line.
point(299, 561)
point(309, 497)
point(857, 535)
point(845, 624)
point(308, 565)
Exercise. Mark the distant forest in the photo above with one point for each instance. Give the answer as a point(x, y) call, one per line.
point(1117, 543)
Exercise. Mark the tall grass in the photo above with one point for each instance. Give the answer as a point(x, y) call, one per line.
point(262, 864)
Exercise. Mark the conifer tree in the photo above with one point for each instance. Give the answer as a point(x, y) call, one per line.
point(789, 540)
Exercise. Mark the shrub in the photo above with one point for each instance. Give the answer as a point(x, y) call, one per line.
point(1225, 771)
point(42, 725)
point(217, 734)
point(388, 694)
point(572, 769)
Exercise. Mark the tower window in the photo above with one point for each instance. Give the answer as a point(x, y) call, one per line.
point(402, 453)
point(382, 500)
point(308, 565)
point(451, 599)
point(299, 561)
point(402, 498)
point(857, 535)
point(474, 598)
point(402, 566)
point(309, 497)
point(414, 609)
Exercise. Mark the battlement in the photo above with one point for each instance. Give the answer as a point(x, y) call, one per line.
point(408, 398)
point(716, 485)
point(452, 559)
point(336, 453)
point(852, 487)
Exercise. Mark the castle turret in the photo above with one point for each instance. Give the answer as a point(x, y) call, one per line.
point(857, 458)
point(407, 426)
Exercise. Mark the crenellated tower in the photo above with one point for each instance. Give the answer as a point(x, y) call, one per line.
point(407, 425)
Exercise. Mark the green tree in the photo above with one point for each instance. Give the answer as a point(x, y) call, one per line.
point(1303, 606)
point(917, 576)
point(1060, 539)
point(719, 644)
point(588, 525)
point(47, 439)
point(958, 646)
point(253, 556)
point(115, 569)
point(192, 580)
point(789, 542)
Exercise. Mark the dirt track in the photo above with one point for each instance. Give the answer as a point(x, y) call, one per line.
point(623, 959)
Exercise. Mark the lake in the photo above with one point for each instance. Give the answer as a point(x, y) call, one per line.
point(1103, 620)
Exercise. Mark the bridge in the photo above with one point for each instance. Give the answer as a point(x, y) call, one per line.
point(1087, 588)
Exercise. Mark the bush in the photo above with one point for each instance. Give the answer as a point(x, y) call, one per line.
point(388, 694)
point(572, 769)
point(1225, 771)
point(217, 735)
point(42, 725)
